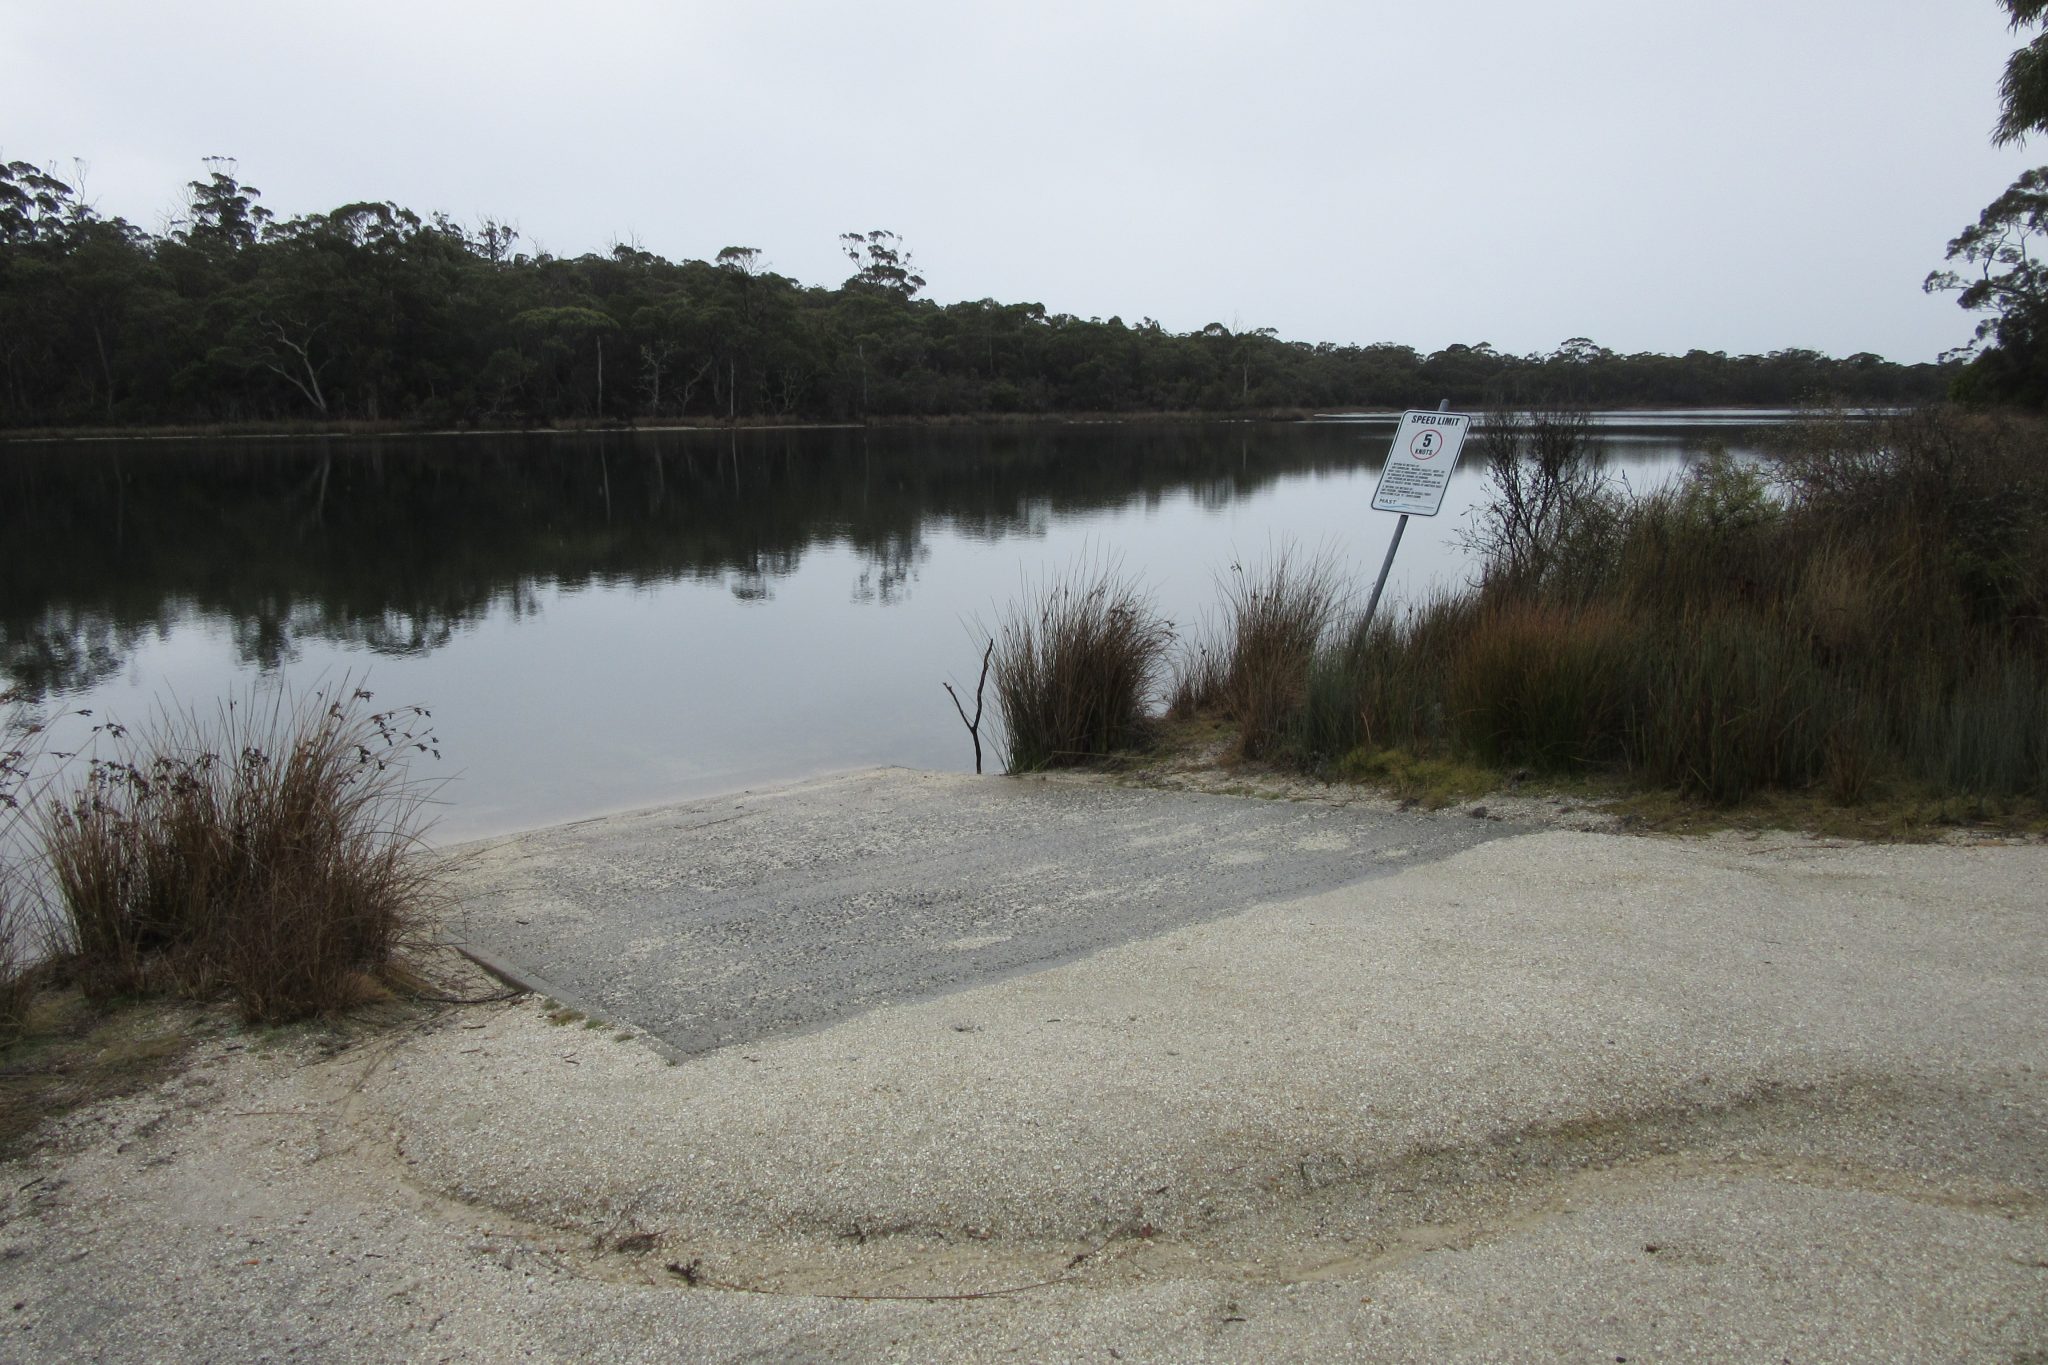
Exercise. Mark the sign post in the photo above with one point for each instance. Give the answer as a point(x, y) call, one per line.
point(1417, 472)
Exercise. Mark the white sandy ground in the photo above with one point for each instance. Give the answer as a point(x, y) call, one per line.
point(1563, 1096)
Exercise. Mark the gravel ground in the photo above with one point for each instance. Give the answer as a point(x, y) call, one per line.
point(743, 916)
point(1558, 1096)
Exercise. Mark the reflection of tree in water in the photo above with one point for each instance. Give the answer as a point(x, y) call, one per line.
point(755, 582)
point(264, 637)
point(394, 546)
point(890, 568)
point(63, 648)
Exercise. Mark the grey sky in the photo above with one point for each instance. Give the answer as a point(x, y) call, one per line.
point(1741, 175)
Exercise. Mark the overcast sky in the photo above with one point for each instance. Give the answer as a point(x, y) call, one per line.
point(1742, 175)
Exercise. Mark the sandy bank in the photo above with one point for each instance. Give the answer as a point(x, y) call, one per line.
point(1559, 1095)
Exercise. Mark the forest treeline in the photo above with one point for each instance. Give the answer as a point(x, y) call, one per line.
point(371, 312)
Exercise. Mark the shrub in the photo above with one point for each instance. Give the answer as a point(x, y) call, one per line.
point(268, 853)
point(1872, 606)
point(1549, 517)
point(1987, 734)
point(1076, 667)
point(17, 979)
point(1727, 703)
point(1955, 503)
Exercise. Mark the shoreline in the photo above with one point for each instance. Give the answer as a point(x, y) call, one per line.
point(254, 431)
point(1558, 1093)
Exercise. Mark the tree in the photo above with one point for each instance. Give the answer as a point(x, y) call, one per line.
point(1580, 351)
point(560, 335)
point(34, 206)
point(2023, 92)
point(222, 216)
point(1999, 253)
point(373, 311)
point(1551, 503)
point(741, 260)
point(881, 263)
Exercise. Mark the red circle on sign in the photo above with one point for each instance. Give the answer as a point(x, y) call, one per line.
point(1426, 445)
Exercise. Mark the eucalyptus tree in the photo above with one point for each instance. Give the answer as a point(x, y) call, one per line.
point(559, 339)
point(2003, 273)
point(75, 291)
point(882, 262)
point(341, 307)
point(1995, 264)
point(2023, 90)
point(875, 318)
point(222, 217)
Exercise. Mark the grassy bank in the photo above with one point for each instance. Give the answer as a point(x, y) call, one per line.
point(1864, 619)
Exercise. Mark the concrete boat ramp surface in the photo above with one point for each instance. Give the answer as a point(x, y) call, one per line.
point(1158, 1078)
point(742, 917)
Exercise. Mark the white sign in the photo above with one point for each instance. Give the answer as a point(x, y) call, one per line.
point(1419, 466)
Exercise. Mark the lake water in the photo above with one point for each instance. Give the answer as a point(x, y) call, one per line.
point(602, 622)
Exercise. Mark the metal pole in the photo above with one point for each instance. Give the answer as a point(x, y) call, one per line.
point(1386, 566)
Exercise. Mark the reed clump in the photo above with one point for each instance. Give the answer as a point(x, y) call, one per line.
point(1076, 667)
point(268, 852)
point(1869, 610)
point(1866, 613)
point(1197, 677)
point(1276, 616)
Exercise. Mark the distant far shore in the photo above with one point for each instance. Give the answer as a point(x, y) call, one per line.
point(357, 428)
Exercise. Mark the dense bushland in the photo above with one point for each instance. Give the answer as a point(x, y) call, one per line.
point(372, 312)
point(1870, 609)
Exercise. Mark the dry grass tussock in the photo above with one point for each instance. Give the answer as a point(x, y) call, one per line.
point(1276, 616)
point(271, 852)
point(1076, 667)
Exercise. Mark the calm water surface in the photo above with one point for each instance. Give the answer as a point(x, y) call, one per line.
point(606, 622)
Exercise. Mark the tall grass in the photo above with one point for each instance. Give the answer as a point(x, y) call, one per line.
point(1870, 609)
point(266, 851)
point(1276, 615)
point(1532, 683)
point(1076, 667)
point(1198, 675)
